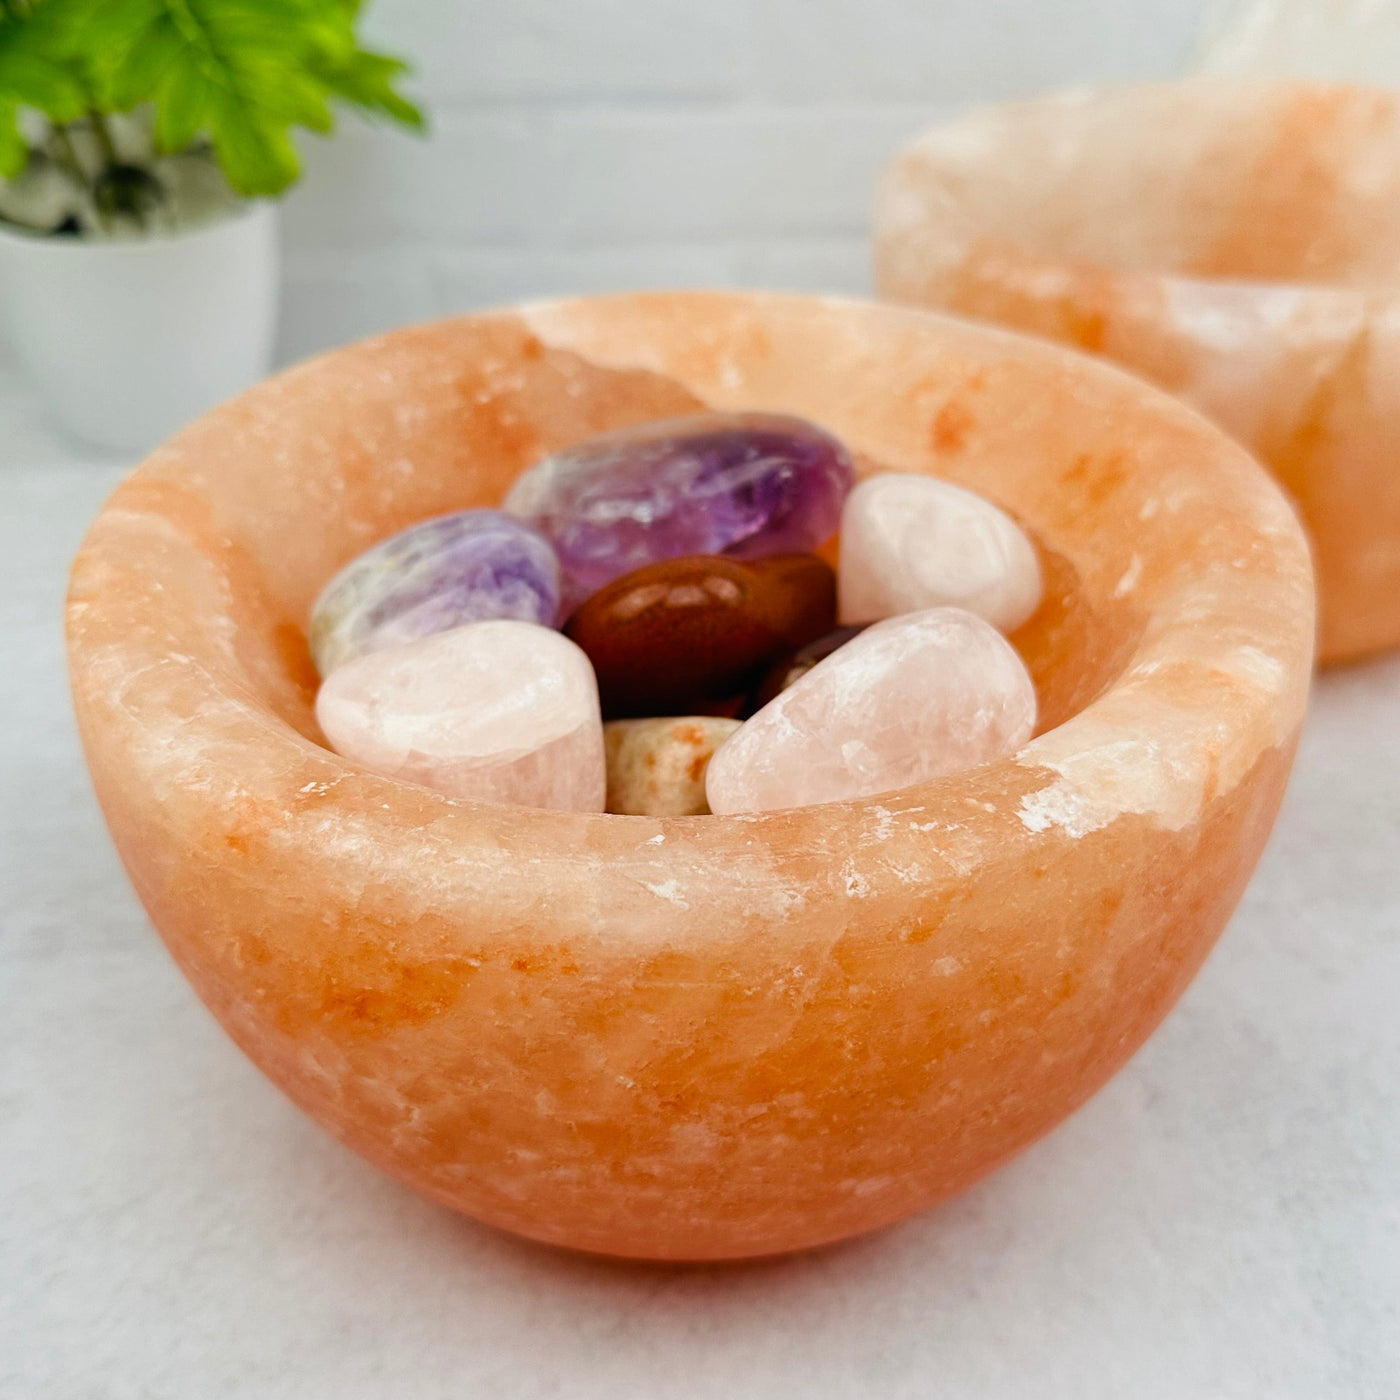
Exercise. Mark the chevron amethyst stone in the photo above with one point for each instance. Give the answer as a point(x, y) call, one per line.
point(743, 484)
point(470, 566)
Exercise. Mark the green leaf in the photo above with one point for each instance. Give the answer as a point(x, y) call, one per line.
point(367, 80)
point(142, 67)
point(32, 80)
point(90, 30)
point(14, 153)
point(241, 73)
point(35, 66)
point(257, 156)
point(294, 98)
point(185, 97)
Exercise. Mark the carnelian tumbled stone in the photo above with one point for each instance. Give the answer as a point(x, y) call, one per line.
point(800, 595)
point(694, 1037)
point(686, 636)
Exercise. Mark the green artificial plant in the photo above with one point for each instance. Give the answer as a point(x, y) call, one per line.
point(124, 115)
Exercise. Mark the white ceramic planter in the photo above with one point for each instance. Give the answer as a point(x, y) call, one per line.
point(131, 338)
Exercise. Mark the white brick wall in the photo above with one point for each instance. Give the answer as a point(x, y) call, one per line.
point(587, 145)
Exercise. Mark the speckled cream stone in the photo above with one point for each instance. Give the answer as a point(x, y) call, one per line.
point(694, 1037)
point(656, 767)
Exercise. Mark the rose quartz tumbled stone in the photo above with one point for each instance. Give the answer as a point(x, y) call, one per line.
point(499, 711)
point(910, 542)
point(910, 699)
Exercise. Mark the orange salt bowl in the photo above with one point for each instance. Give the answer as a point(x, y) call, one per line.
point(1237, 243)
point(704, 1037)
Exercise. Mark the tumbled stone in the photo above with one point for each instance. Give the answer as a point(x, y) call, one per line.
point(792, 666)
point(656, 767)
point(470, 566)
point(911, 542)
point(910, 699)
point(693, 635)
point(798, 592)
point(746, 484)
point(498, 711)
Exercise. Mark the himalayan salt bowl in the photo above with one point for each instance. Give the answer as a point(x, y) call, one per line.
point(694, 1037)
point(1236, 243)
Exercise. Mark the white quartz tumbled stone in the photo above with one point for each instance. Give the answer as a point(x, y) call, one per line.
point(910, 542)
point(497, 711)
point(909, 699)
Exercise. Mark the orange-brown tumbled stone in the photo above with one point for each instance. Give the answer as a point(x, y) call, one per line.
point(799, 595)
point(693, 635)
point(694, 1037)
point(1237, 242)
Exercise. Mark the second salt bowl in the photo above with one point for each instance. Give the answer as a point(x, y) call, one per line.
point(1235, 242)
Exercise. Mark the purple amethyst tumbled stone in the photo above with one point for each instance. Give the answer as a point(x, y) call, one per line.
point(470, 566)
point(743, 484)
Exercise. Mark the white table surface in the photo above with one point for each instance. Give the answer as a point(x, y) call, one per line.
point(1222, 1221)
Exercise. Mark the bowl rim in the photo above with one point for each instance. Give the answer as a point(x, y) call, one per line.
point(923, 145)
point(1280, 698)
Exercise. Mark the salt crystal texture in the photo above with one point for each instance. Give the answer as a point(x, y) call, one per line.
point(495, 711)
point(700, 1037)
point(910, 542)
point(1237, 242)
point(910, 699)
